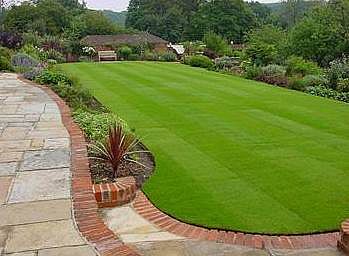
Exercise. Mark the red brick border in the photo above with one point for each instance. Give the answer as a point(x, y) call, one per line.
point(115, 194)
point(85, 206)
point(145, 208)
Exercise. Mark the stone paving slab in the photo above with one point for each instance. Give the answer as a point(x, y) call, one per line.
point(42, 235)
point(22, 254)
point(5, 183)
point(25, 213)
point(41, 185)
point(195, 248)
point(45, 159)
point(7, 169)
point(6, 157)
point(68, 251)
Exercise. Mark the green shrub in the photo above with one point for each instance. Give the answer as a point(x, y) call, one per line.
point(5, 64)
point(124, 52)
point(69, 89)
point(314, 80)
point(134, 57)
point(343, 85)
point(216, 43)
point(95, 125)
point(53, 78)
point(252, 71)
point(5, 52)
point(168, 57)
point(296, 83)
point(150, 56)
point(32, 51)
point(200, 61)
point(299, 66)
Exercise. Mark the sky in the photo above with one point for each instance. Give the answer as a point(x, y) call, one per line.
point(121, 5)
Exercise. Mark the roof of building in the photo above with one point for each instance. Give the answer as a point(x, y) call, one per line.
point(121, 39)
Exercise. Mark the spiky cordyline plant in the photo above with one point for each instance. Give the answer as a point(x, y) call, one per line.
point(118, 146)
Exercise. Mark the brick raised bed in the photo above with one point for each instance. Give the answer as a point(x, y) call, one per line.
point(115, 194)
point(145, 208)
point(85, 206)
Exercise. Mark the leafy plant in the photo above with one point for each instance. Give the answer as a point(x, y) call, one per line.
point(343, 85)
point(134, 57)
point(150, 56)
point(168, 57)
point(5, 64)
point(216, 43)
point(124, 52)
point(119, 146)
point(53, 78)
point(251, 71)
point(94, 124)
point(314, 80)
point(199, 61)
point(299, 66)
point(323, 91)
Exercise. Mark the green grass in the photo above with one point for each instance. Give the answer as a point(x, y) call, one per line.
point(232, 153)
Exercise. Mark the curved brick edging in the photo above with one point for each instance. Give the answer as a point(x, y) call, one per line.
point(85, 206)
point(146, 209)
point(121, 192)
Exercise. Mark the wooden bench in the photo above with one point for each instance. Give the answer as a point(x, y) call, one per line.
point(108, 55)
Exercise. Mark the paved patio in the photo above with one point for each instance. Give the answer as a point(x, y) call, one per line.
point(35, 177)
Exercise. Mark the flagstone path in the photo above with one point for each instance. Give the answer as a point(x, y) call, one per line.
point(35, 177)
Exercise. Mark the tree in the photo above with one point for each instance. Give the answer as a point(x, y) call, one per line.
point(168, 19)
point(228, 18)
point(264, 45)
point(320, 36)
point(216, 43)
point(96, 23)
point(292, 11)
point(261, 12)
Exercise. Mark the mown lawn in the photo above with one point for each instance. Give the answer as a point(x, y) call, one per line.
point(232, 153)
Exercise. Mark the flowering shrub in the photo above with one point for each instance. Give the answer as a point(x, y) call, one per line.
point(23, 62)
point(338, 69)
point(89, 51)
